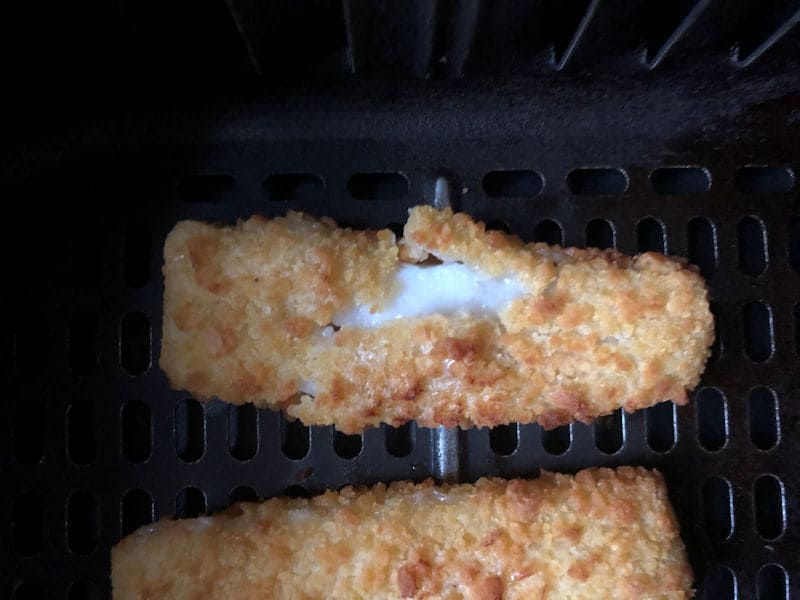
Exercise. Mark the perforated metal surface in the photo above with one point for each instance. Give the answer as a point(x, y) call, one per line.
point(694, 158)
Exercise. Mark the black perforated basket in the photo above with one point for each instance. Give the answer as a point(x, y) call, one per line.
point(667, 126)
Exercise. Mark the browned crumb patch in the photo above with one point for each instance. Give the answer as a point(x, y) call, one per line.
point(600, 534)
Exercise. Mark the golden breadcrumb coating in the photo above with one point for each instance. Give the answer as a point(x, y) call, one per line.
point(246, 310)
point(599, 534)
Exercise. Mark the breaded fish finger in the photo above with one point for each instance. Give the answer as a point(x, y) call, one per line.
point(599, 534)
point(356, 328)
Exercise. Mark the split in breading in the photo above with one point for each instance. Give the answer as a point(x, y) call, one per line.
point(250, 316)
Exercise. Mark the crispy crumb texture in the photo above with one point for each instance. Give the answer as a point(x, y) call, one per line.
point(247, 311)
point(602, 533)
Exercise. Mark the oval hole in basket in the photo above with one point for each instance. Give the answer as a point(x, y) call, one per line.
point(661, 432)
point(28, 591)
point(773, 583)
point(597, 182)
point(378, 186)
point(600, 234)
point(504, 439)
point(719, 582)
point(651, 236)
point(796, 312)
point(764, 417)
point(549, 232)
point(400, 440)
point(718, 508)
point(30, 425)
point(136, 256)
point(86, 257)
point(190, 503)
point(759, 341)
point(347, 446)
point(752, 243)
point(770, 507)
point(190, 430)
point(242, 431)
point(30, 344)
point(27, 523)
point(136, 510)
point(134, 343)
point(82, 522)
point(680, 180)
point(609, 432)
point(81, 432)
point(295, 438)
point(207, 188)
point(702, 242)
point(513, 183)
point(763, 179)
point(718, 346)
point(711, 409)
point(82, 343)
point(243, 493)
point(284, 187)
point(136, 431)
point(557, 441)
point(81, 590)
point(296, 491)
point(794, 243)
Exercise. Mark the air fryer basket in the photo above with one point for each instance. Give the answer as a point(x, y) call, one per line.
point(666, 126)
